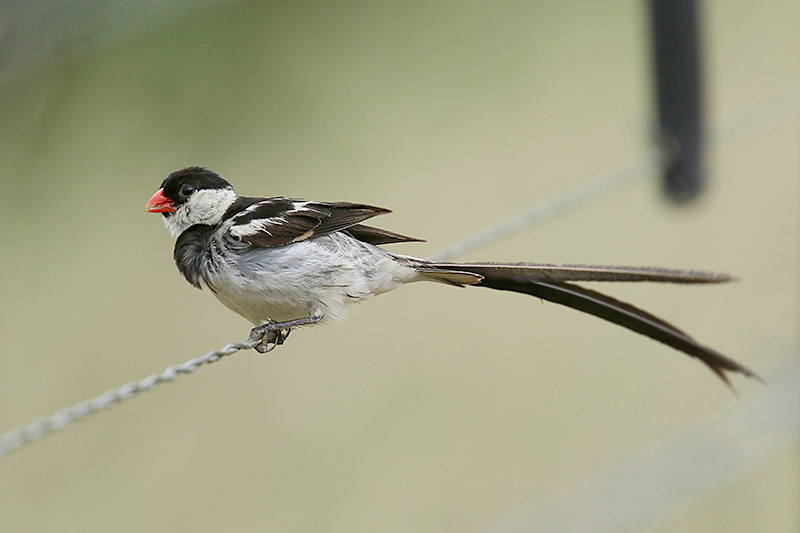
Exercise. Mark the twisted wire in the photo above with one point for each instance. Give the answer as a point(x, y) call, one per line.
point(65, 417)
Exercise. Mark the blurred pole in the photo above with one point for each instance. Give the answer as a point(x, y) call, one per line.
point(676, 48)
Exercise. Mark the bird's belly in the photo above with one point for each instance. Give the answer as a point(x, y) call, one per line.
point(304, 278)
point(261, 307)
point(270, 298)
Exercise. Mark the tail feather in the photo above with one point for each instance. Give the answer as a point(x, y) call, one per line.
point(548, 272)
point(549, 282)
point(459, 278)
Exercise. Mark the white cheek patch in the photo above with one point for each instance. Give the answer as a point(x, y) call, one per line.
point(206, 206)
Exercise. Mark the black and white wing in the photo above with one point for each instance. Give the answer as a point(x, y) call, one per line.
point(378, 236)
point(268, 222)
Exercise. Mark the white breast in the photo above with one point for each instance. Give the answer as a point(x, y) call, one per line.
point(320, 276)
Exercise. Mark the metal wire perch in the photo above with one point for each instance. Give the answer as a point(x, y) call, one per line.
point(65, 417)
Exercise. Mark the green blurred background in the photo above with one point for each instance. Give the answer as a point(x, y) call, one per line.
point(431, 409)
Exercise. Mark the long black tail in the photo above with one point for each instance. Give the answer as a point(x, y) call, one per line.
point(551, 282)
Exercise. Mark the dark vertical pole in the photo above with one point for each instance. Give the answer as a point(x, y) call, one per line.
point(676, 47)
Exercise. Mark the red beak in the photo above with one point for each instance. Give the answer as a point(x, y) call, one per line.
point(159, 203)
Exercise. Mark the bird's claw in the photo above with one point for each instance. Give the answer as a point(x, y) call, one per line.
point(269, 336)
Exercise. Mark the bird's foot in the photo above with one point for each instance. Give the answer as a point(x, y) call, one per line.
point(269, 336)
point(273, 334)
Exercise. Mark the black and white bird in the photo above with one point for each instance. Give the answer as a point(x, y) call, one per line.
point(283, 262)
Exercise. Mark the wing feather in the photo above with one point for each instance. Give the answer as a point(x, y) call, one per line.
point(378, 236)
point(279, 221)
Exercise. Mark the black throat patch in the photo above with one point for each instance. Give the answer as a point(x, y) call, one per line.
point(193, 254)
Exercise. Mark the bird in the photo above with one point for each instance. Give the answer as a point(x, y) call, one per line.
point(282, 263)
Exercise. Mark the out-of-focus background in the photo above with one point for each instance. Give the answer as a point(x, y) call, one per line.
point(430, 409)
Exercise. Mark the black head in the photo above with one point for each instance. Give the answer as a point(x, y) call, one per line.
point(181, 184)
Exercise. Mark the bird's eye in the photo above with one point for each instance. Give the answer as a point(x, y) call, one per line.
point(186, 190)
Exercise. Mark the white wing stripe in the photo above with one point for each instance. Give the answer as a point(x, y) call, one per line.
point(256, 226)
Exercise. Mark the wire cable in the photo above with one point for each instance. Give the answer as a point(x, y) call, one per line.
point(65, 417)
